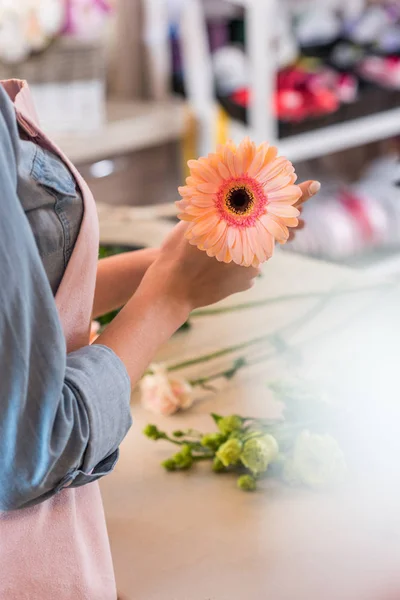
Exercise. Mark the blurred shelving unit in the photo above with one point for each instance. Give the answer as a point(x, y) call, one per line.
point(262, 125)
point(130, 126)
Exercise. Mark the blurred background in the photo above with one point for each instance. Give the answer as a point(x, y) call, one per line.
point(131, 89)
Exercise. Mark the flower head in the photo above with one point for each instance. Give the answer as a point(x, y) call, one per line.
point(247, 483)
point(258, 453)
point(238, 201)
point(153, 433)
point(163, 393)
point(317, 461)
point(217, 465)
point(229, 424)
point(229, 452)
point(182, 460)
point(212, 440)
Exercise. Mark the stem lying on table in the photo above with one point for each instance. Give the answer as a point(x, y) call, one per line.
point(205, 312)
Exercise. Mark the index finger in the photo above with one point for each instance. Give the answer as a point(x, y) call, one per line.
point(309, 189)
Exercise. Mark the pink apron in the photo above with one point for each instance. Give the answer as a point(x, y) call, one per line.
point(59, 550)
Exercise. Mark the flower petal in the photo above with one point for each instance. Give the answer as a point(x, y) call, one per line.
point(185, 190)
point(207, 188)
point(291, 221)
point(215, 235)
point(246, 152)
point(230, 162)
point(235, 244)
point(218, 246)
point(258, 161)
point(248, 255)
point(289, 194)
point(224, 171)
point(280, 209)
point(275, 227)
point(203, 200)
point(266, 242)
point(272, 169)
point(205, 225)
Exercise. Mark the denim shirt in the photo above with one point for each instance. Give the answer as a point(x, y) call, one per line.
point(52, 204)
point(62, 416)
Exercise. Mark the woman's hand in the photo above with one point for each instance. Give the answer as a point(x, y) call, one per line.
point(188, 276)
point(180, 279)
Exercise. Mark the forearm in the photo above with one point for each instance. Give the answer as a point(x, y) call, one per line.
point(118, 277)
point(146, 322)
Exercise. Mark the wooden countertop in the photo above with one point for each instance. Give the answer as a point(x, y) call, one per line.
point(194, 536)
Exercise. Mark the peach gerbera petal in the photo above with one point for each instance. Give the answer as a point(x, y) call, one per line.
point(234, 242)
point(202, 200)
point(207, 188)
point(266, 240)
point(289, 194)
point(272, 170)
point(215, 235)
point(238, 201)
point(248, 255)
point(224, 171)
point(291, 222)
point(283, 210)
point(203, 171)
point(279, 231)
point(258, 160)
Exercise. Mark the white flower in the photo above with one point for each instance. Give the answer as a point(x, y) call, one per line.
point(163, 393)
point(28, 25)
point(317, 461)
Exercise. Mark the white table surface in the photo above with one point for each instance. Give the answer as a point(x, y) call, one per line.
point(194, 536)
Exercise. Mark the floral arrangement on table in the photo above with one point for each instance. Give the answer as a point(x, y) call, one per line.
point(295, 448)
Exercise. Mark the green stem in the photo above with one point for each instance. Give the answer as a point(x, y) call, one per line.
point(205, 312)
point(227, 373)
point(207, 357)
point(204, 457)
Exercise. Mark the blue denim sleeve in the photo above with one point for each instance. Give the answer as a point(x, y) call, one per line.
point(62, 416)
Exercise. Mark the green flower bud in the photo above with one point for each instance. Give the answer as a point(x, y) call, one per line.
point(247, 483)
point(183, 460)
point(258, 453)
point(217, 465)
point(227, 425)
point(169, 464)
point(212, 440)
point(178, 434)
point(229, 452)
point(152, 432)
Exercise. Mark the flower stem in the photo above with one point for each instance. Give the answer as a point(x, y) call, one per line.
point(205, 312)
point(219, 353)
point(228, 373)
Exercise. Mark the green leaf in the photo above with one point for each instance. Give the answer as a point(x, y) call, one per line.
point(216, 418)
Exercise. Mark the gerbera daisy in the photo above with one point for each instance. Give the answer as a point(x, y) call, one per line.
point(238, 201)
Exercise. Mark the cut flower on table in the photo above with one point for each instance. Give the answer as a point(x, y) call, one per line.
point(164, 393)
point(250, 448)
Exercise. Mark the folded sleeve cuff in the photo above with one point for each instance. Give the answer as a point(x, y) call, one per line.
point(101, 382)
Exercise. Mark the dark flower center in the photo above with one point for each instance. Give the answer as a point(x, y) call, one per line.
point(239, 201)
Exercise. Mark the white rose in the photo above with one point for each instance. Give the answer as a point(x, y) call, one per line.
point(163, 393)
point(317, 461)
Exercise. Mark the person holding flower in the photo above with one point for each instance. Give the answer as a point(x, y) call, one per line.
point(65, 404)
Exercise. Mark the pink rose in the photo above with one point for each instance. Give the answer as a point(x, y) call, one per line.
point(165, 394)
